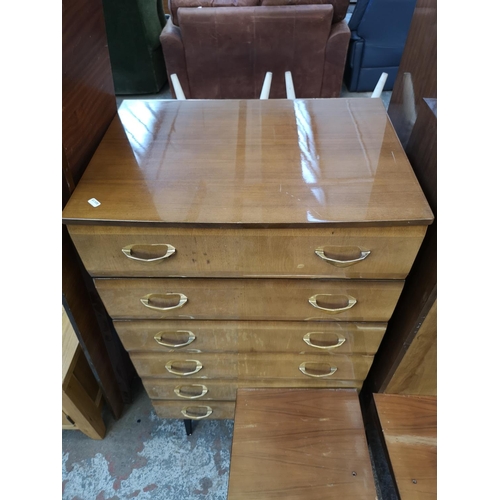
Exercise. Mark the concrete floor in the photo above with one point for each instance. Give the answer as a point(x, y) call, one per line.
point(144, 457)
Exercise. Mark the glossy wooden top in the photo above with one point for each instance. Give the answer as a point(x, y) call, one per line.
point(263, 163)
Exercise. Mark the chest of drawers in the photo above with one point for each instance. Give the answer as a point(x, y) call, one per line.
point(248, 243)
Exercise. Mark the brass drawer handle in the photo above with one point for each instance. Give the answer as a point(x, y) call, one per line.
point(173, 341)
point(322, 344)
point(189, 393)
point(184, 372)
point(194, 416)
point(146, 250)
point(162, 301)
point(317, 369)
point(316, 301)
point(363, 254)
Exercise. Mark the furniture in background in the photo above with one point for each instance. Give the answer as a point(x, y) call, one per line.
point(378, 34)
point(253, 243)
point(406, 362)
point(81, 395)
point(405, 367)
point(133, 28)
point(417, 76)
point(407, 426)
point(88, 106)
point(223, 52)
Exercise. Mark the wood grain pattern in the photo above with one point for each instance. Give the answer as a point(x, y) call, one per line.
point(420, 290)
point(251, 336)
point(83, 317)
point(417, 74)
point(88, 95)
point(88, 106)
point(81, 400)
point(232, 253)
point(221, 410)
point(251, 299)
point(307, 162)
point(409, 427)
point(252, 366)
point(224, 389)
point(299, 445)
point(417, 371)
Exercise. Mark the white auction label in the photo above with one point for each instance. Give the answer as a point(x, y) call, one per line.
point(94, 202)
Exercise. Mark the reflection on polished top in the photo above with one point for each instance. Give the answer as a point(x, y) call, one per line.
point(269, 162)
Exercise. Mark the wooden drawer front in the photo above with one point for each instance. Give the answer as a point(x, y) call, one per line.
point(304, 382)
point(287, 366)
point(250, 336)
point(212, 365)
point(248, 252)
point(252, 299)
point(216, 410)
point(191, 390)
point(253, 366)
point(225, 390)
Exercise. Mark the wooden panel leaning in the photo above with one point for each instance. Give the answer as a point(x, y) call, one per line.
point(409, 427)
point(81, 395)
point(299, 445)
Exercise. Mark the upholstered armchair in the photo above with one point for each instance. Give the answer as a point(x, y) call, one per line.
point(222, 49)
point(378, 35)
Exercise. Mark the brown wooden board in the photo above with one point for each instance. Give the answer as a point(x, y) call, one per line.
point(409, 426)
point(299, 444)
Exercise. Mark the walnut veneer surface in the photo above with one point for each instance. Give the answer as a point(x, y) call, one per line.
point(409, 426)
point(248, 243)
point(299, 444)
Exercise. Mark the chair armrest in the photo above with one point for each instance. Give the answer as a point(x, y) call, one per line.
point(335, 57)
point(175, 59)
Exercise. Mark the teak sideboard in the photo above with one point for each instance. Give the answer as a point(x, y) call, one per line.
point(248, 243)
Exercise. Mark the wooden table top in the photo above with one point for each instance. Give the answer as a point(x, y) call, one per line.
point(276, 163)
point(409, 425)
point(299, 444)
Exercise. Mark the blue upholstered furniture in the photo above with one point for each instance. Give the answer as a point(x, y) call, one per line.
point(378, 34)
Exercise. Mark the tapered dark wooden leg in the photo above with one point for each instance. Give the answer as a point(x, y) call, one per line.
point(188, 424)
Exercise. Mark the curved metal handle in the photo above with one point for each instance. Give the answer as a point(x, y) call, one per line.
point(198, 367)
point(191, 337)
point(203, 391)
point(145, 301)
point(185, 410)
point(169, 250)
point(307, 339)
point(351, 302)
point(320, 252)
point(303, 369)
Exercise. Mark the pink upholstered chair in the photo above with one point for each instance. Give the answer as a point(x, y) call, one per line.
point(224, 52)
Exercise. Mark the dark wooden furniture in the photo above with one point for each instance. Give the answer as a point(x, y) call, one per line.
point(406, 362)
point(417, 74)
point(407, 358)
point(88, 106)
point(81, 394)
point(299, 444)
point(248, 243)
point(409, 428)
